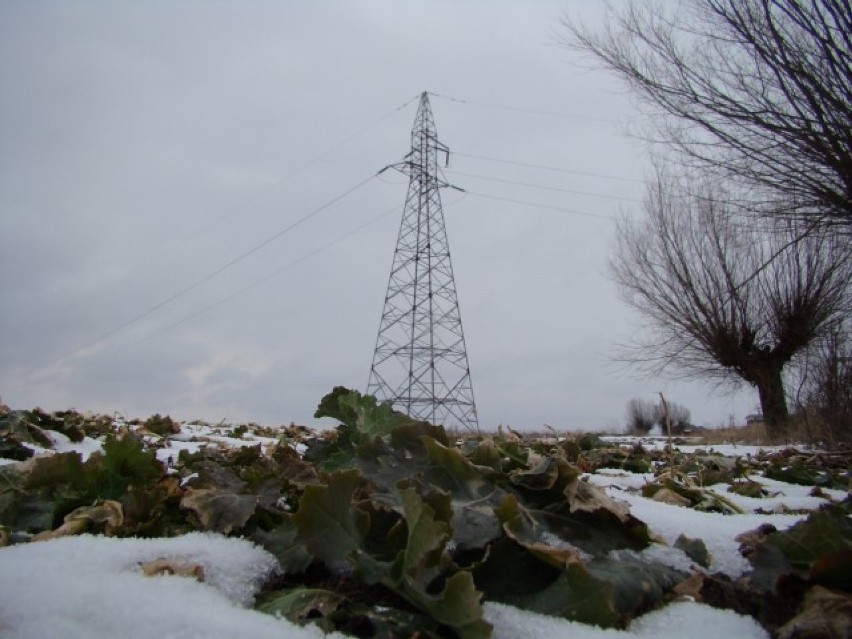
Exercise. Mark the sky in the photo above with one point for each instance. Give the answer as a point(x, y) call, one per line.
point(145, 148)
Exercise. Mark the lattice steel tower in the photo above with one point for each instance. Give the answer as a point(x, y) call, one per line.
point(420, 363)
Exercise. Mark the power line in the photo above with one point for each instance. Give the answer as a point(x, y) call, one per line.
point(546, 167)
point(244, 289)
point(543, 186)
point(507, 107)
point(214, 273)
point(257, 194)
point(289, 176)
point(543, 206)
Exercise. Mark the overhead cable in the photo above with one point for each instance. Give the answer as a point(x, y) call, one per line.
point(244, 289)
point(197, 283)
point(257, 194)
point(611, 218)
point(546, 167)
point(542, 186)
point(519, 109)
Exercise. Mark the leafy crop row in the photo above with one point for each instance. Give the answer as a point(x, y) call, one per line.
point(385, 527)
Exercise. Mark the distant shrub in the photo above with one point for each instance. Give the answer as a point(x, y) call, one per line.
point(161, 425)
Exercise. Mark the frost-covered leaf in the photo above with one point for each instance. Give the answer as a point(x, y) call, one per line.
point(302, 604)
point(694, 549)
point(219, 510)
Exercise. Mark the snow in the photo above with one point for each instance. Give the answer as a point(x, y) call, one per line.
point(718, 532)
point(61, 444)
point(727, 450)
point(677, 620)
point(163, 454)
point(89, 586)
point(788, 497)
point(92, 587)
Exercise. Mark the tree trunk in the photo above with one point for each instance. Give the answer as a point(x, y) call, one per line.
point(773, 403)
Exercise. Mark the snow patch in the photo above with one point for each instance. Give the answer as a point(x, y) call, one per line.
point(91, 587)
point(675, 621)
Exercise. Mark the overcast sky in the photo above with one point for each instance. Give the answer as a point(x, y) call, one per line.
point(145, 145)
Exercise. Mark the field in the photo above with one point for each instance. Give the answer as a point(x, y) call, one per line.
point(389, 527)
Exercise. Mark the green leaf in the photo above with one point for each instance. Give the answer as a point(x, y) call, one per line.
point(372, 419)
point(452, 471)
point(409, 436)
point(541, 477)
point(282, 541)
point(820, 547)
point(457, 605)
point(576, 595)
point(124, 463)
point(421, 559)
point(328, 525)
point(637, 583)
point(522, 528)
point(330, 406)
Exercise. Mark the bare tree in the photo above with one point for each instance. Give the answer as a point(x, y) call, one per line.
point(827, 385)
point(641, 416)
point(721, 300)
point(758, 91)
point(679, 416)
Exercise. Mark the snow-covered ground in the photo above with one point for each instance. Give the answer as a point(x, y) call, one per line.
point(90, 587)
point(93, 587)
point(718, 532)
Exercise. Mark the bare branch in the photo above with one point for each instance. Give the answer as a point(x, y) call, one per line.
point(755, 91)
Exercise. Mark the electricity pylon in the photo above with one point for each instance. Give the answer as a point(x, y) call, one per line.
point(420, 362)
